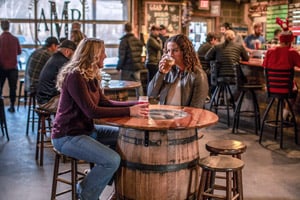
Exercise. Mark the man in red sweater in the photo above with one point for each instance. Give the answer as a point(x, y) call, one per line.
point(9, 50)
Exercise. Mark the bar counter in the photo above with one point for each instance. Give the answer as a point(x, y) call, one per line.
point(254, 72)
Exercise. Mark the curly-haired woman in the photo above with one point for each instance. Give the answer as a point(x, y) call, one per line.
point(182, 82)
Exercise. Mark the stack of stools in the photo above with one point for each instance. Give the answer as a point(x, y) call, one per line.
point(30, 113)
point(3, 119)
point(280, 86)
point(244, 89)
point(218, 162)
point(43, 129)
point(58, 176)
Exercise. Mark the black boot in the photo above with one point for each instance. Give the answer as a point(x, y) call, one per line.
point(11, 108)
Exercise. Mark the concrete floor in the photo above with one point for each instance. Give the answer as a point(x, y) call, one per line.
point(269, 172)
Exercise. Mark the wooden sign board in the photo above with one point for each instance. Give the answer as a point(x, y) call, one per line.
point(168, 14)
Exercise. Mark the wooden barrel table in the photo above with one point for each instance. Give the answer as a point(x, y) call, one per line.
point(160, 153)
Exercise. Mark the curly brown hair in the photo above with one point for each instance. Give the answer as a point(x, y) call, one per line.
point(190, 58)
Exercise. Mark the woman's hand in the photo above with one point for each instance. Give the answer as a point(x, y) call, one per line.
point(139, 110)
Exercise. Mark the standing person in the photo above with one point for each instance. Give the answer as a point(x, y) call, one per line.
point(47, 94)
point(36, 62)
point(283, 56)
point(9, 50)
point(163, 34)
point(76, 36)
point(227, 26)
point(255, 40)
point(154, 49)
point(183, 82)
point(81, 100)
point(130, 58)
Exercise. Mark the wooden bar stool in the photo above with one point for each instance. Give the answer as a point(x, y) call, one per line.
point(3, 119)
point(233, 148)
point(43, 129)
point(233, 187)
point(58, 176)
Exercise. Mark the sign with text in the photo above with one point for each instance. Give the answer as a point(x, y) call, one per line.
point(168, 14)
point(203, 5)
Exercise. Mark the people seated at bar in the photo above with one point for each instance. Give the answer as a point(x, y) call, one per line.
point(47, 94)
point(37, 61)
point(284, 56)
point(81, 100)
point(254, 41)
point(180, 81)
point(225, 55)
point(154, 50)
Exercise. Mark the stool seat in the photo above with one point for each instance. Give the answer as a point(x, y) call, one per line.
point(233, 187)
point(226, 147)
point(221, 163)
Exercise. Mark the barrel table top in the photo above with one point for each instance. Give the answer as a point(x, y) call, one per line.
point(165, 117)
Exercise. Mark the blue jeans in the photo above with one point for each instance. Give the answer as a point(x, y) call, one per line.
point(93, 149)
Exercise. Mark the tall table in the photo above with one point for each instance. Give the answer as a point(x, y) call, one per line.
point(160, 153)
point(118, 89)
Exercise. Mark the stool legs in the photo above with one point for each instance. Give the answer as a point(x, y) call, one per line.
point(255, 113)
point(233, 188)
point(58, 177)
point(279, 121)
point(3, 119)
point(40, 140)
point(223, 93)
point(30, 113)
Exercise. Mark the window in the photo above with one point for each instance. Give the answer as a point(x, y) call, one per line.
point(100, 18)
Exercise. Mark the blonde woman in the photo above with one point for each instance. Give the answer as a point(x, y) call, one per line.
point(81, 100)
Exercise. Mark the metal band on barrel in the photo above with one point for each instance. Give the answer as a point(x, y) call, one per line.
point(159, 168)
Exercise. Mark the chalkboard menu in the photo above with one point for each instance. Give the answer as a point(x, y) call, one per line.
point(168, 14)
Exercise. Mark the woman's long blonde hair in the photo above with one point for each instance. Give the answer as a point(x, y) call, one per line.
point(85, 60)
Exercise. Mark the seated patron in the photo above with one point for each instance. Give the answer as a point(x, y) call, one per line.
point(47, 94)
point(180, 80)
point(81, 100)
point(226, 55)
point(283, 56)
point(37, 61)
